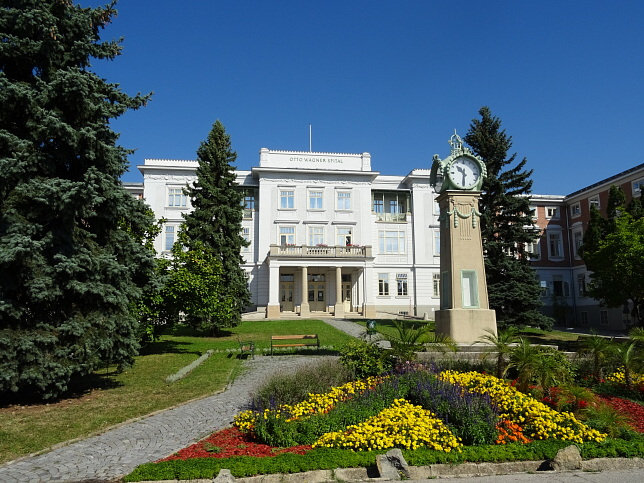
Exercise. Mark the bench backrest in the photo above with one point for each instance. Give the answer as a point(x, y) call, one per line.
point(288, 337)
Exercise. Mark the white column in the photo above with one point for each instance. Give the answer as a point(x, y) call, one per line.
point(273, 308)
point(305, 310)
point(339, 306)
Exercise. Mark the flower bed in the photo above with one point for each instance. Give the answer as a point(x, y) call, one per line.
point(634, 411)
point(402, 425)
point(231, 442)
point(538, 420)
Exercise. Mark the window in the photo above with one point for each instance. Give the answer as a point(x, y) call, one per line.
point(437, 284)
point(603, 317)
point(545, 290)
point(401, 283)
point(437, 242)
point(555, 249)
point(287, 199)
point(316, 235)
point(391, 241)
point(248, 203)
point(246, 235)
point(578, 241)
point(533, 212)
point(552, 212)
point(437, 208)
point(344, 236)
point(170, 232)
point(560, 287)
point(391, 206)
point(575, 210)
point(638, 186)
point(315, 199)
point(177, 198)
point(534, 249)
point(584, 318)
point(581, 284)
point(469, 288)
point(344, 200)
point(594, 202)
point(287, 235)
point(383, 284)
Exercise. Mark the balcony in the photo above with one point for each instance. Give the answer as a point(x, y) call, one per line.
point(391, 217)
point(304, 251)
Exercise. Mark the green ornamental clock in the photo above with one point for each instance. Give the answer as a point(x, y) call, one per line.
point(461, 170)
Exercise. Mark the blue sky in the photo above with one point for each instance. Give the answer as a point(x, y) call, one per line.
point(390, 78)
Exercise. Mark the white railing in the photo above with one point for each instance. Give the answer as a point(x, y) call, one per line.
point(302, 251)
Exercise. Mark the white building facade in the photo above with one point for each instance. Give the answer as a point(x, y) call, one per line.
point(327, 234)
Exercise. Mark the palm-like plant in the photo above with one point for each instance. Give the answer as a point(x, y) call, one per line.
point(630, 358)
point(599, 349)
point(524, 358)
point(501, 344)
point(637, 334)
point(408, 338)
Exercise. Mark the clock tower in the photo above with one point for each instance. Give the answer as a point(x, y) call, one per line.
point(464, 313)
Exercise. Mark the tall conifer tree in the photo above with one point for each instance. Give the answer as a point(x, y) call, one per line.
point(72, 261)
point(216, 219)
point(513, 289)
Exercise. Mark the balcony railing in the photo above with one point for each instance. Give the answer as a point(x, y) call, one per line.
point(304, 251)
point(391, 217)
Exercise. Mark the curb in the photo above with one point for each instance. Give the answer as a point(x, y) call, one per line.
point(430, 472)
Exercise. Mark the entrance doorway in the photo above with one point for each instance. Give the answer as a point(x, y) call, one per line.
point(346, 293)
point(286, 293)
point(317, 293)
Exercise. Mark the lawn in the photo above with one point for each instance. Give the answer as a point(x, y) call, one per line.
point(107, 398)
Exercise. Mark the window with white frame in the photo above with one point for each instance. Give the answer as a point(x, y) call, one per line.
point(436, 279)
point(552, 212)
point(383, 284)
point(316, 198)
point(575, 209)
point(248, 203)
point(401, 284)
point(287, 235)
point(437, 208)
point(170, 237)
point(534, 249)
point(638, 185)
point(344, 200)
point(246, 236)
point(581, 284)
point(391, 241)
point(287, 199)
point(593, 202)
point(603, 317)
point(533, 212)
point(437, 242)
point(316, 235)
point(578, 241)
point(177, 198)
point(555, 245)
point(344, 236)
point(391, 206)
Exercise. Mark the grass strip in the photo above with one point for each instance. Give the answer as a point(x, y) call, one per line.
point(331, 458)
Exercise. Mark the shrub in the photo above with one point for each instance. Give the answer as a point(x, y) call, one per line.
point(364, 359)
point(291, 388)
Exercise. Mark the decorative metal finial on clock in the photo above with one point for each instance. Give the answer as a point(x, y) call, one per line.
point(456, 143)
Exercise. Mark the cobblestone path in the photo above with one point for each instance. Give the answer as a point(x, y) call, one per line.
point(118, 451)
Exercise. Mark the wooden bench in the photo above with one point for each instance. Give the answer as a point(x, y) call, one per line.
point(305, 340)
point(246, 347)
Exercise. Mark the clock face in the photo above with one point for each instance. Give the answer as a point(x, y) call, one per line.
point(464, 172)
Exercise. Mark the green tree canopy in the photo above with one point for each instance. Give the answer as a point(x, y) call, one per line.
point(72, 261)
point(216, 219)
point(506, 219)
point(613, 251)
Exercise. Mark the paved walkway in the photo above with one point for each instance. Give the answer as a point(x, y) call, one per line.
point(118, 451)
